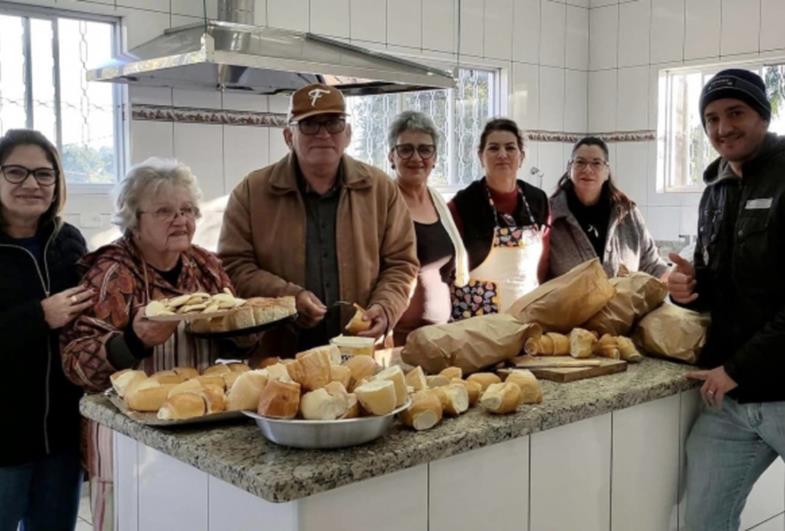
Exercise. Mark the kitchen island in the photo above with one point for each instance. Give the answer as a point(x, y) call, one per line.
point(597, 454)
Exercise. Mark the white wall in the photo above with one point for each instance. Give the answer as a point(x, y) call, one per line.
point(630, 42)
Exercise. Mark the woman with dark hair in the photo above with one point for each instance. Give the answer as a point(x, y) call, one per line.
point(593, 218)
point(40, 470)
point(504, 225)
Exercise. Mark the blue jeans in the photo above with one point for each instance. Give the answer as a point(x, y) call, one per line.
point(41, 495)
point(727, 451)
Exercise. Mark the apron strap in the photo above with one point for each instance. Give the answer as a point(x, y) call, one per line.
point(525, 203)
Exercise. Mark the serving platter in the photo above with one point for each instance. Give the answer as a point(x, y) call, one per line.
point(151, 419)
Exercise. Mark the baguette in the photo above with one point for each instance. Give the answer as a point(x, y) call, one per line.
point(425, 412)
point(607, 347)
point(501, 398)
point(454, 398)
point(186, 372)
point(189, 386)
point(627, 350)
point(216, 370)
point(121, 380)
point(452, 372)
point(484, 379)
point(361, 367)
point(321, 405)
point(473, 389)
point(245, 393)
point(581, 343)
point(531, 393)
point(279, 399)
point(183, 406)
point(342, 374)
point(377, 397)
point(436, 380)
point(415, 378)
point(149, 398)
point(395, 375)
point(167, 377)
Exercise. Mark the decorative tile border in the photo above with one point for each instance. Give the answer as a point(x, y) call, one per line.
point(195, 115)
point(612, 136)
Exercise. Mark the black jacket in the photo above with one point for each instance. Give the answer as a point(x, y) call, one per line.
point(477, 216)
point(40, 407)
point(740, 272)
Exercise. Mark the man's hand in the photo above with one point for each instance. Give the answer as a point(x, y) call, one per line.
point(375, 314)
point(716, 383)
point(310, 308)
point(681, 280)
point(152, 333)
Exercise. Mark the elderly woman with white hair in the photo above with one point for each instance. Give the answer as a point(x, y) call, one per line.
point(156, 208)
point(414, 141)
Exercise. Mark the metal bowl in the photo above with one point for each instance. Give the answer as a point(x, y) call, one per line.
point(313, 434)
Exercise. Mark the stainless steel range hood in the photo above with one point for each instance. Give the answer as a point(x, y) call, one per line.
point(231, 55)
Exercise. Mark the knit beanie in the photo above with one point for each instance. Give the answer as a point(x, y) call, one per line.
point(737, 84)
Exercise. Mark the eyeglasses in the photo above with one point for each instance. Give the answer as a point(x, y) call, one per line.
point(331, 125)
point(169, 214)
point(16, 174)
point(596, 164)
point(406, 151)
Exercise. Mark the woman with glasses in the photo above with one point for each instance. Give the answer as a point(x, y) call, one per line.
point(414, 141)
point(156, 208)
point(593, 218)
point(40, 471)
point(504, 224)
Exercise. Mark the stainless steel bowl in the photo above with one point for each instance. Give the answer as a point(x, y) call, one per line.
point(300, 433)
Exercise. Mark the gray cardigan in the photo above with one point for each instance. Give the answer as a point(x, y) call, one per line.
point(628, 242)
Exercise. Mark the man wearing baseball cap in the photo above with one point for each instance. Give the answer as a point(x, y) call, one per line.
point(322, 227)
point(738, 275)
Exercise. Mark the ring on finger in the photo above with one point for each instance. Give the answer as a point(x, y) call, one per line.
point(72, 298)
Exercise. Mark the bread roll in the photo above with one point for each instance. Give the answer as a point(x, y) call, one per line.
point(454, 398)
point(356, 324)
point(561, 343)
point(361, 367)
point(416, 379)
point(321, 405)
point(183, 406)
point(314, 369)
point(189, 386)
point(140, 383)
point(581, 343)
point(425, 412)
point(279, 399)
point(269, 360)
point(221, 323)
point(627, 350)
point(229, 378)
point(216, 370)
point(452, 372)
point(353, 408)
point(377, 397)
point(267, 310)
point(531, 393)
point(484, 379)
point(200, 326)
point(436, 380)
point(122, 379)
point(501, 398)
point(331, 351)
point(279, 371)
point(473, 389)
point(395, 375)
point(242, 317)
point(214, 398)
point(149, 398)
point(238, 366)
point(214, 379)
point(607, 347)
point(186, 372)
point(342, 374)
point(244, 394)
point(167, 377)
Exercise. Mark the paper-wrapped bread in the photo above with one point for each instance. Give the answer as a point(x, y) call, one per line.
point(636, 295)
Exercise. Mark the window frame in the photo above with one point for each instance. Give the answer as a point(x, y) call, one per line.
point(119, 92)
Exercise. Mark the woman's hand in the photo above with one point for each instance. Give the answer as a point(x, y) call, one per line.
point(61, 308)
point(152, 333)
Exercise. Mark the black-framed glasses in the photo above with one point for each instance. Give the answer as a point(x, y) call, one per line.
point(406, 151)
point(16, 174)
point(311, 126)
point(167, 214)
point(595, 164)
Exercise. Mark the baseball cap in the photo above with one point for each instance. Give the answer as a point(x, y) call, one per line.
point(315, 99)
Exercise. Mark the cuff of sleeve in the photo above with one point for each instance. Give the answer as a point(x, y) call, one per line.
point(126, 350)
point(732, 370)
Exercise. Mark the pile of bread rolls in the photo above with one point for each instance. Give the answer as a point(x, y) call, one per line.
point(254, 312)
point(581, 343)
point(449, 394)
point(189, 303)
point(183, 392)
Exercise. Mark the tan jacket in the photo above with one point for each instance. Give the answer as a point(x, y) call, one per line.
point(262, 242)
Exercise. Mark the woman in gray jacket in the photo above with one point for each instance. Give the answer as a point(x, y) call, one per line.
point(593, 218)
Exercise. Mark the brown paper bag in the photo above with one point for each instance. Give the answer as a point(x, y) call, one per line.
point(674, 332)
point(636, 295)
point(565, 302)
point(471, 344)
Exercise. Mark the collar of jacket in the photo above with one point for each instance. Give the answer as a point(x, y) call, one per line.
point(720, 171)
point(283, 179)
point(43, 232)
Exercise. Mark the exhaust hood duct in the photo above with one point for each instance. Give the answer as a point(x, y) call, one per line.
point(232, 54)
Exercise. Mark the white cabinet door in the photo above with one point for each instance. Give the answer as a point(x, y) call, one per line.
point(233, 509)
point(767, 496)
point(689, 408)
point(126, 489)
point(570, 477)
point(486, 488)
point(645, 466)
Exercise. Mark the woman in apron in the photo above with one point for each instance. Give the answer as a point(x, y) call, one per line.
point(504, 224)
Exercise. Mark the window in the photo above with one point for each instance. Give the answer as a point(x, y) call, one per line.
point(459, 114)
point(45, 55)
point(683, 148)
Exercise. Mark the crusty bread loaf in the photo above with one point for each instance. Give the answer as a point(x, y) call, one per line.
point(279, 371)
point(415, 378)
point(148, 398)
point(452, 372)
point(222, 323)
point(561, 343)
point(395, 375)
point(484, 379)
point(454, 398)
point(628, 350)
point(356, 324)
point(607, 347)
point(266, 310)
point(473, 389)
point(183, 406)
point(531, 393)
point(200, 326)
point(121, 380)
point(244, 394)
point(436, 380)
point(581, 343)
point(425, 411)
point(229, 378)
point(189, 386)
point(321, 405)
point(238, 366)
point(186, 372)
point(242, 317)
point(377, 397)
point(211, 379)
point(216, 370)
point(167, 377)
point(353, 408)
point(331, 351)
point(279, 399)
point(501, 398)
point(214, 398)
point(362, 367)
point(312, 370)
point(342, 374)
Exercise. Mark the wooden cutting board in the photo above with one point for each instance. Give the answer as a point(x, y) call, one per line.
point(567, 368)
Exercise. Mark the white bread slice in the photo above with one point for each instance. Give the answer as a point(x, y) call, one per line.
point(395, 375)
point(377, 397)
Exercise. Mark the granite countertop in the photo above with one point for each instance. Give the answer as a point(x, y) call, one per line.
point(239, 454)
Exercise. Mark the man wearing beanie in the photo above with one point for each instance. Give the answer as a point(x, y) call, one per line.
point(738, 275)
point(322, 227)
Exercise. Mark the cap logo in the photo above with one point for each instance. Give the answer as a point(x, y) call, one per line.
point(722, 82)
point(315, 94)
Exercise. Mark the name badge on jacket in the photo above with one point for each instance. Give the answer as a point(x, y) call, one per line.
point(763, 203)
